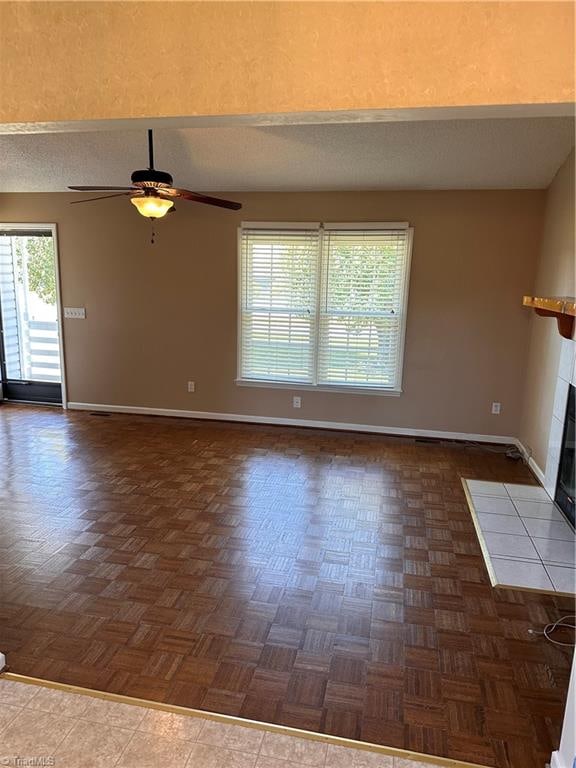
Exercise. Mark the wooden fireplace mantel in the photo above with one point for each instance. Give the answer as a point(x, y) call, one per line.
point(563, 308)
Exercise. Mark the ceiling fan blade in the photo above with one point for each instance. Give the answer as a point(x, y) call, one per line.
point(100, 189)
point(196, 197)
point(102, 197)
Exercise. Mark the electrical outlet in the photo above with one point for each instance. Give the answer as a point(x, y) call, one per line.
point(296, 402)
point(191, 386)
point(75, 313)
point(496, 409)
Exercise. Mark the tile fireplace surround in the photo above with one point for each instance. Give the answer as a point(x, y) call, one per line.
point(566, 376)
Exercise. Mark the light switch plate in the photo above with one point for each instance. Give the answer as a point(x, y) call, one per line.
point(75, 313)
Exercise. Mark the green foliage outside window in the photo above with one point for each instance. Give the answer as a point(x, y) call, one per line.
point(36, 255)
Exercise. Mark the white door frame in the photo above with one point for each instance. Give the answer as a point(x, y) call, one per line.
point(23, 225)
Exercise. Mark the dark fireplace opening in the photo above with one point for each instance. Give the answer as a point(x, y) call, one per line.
point(565, 491)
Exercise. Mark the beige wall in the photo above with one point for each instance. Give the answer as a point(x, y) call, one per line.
point(160, 315)
point(555, 277)
point(89, 60)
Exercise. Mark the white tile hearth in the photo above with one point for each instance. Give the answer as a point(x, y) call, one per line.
point(502, 523)
point(526, 492)
point(526, 541)
point(506, 545)
point(545, 510)
point(531, 574)
point(547, 529)
point(485, 488)
point(564, 579)
point(556, 552)
point(495, 506)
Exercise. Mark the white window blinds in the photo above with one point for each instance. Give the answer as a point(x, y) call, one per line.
point(323, 306)
point(279, 303)
point(361, 315)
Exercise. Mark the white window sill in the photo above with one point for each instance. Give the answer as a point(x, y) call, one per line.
point(340, 388)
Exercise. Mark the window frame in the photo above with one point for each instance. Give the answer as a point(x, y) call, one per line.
point(349, 389)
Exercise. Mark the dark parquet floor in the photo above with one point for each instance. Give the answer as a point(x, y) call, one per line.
point(325, 581)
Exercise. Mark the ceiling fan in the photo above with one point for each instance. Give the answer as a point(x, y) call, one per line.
point(152, 192)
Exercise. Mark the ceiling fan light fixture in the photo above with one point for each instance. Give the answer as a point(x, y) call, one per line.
point(151, 191)
point(152, 207)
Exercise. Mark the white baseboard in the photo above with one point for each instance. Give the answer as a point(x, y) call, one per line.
point(523, 450)
point(536, 469)
point(276, 420)
point(526, 455)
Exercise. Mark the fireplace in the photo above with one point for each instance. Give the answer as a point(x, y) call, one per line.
point(565, 491)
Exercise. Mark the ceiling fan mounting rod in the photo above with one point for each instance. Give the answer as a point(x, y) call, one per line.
point(150, 149)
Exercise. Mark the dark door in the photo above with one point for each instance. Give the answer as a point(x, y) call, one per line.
point(30, 335)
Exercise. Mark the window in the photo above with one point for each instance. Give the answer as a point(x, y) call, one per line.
point(323, 305)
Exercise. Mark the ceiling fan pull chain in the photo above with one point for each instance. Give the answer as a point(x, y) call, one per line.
point(152, 241)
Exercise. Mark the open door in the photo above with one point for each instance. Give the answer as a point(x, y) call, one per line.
point(31, 350)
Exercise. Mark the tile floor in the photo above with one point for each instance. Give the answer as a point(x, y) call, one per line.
point(529, 542)
point(77, 730)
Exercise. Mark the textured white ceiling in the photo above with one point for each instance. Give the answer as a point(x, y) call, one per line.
point(451, 154)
